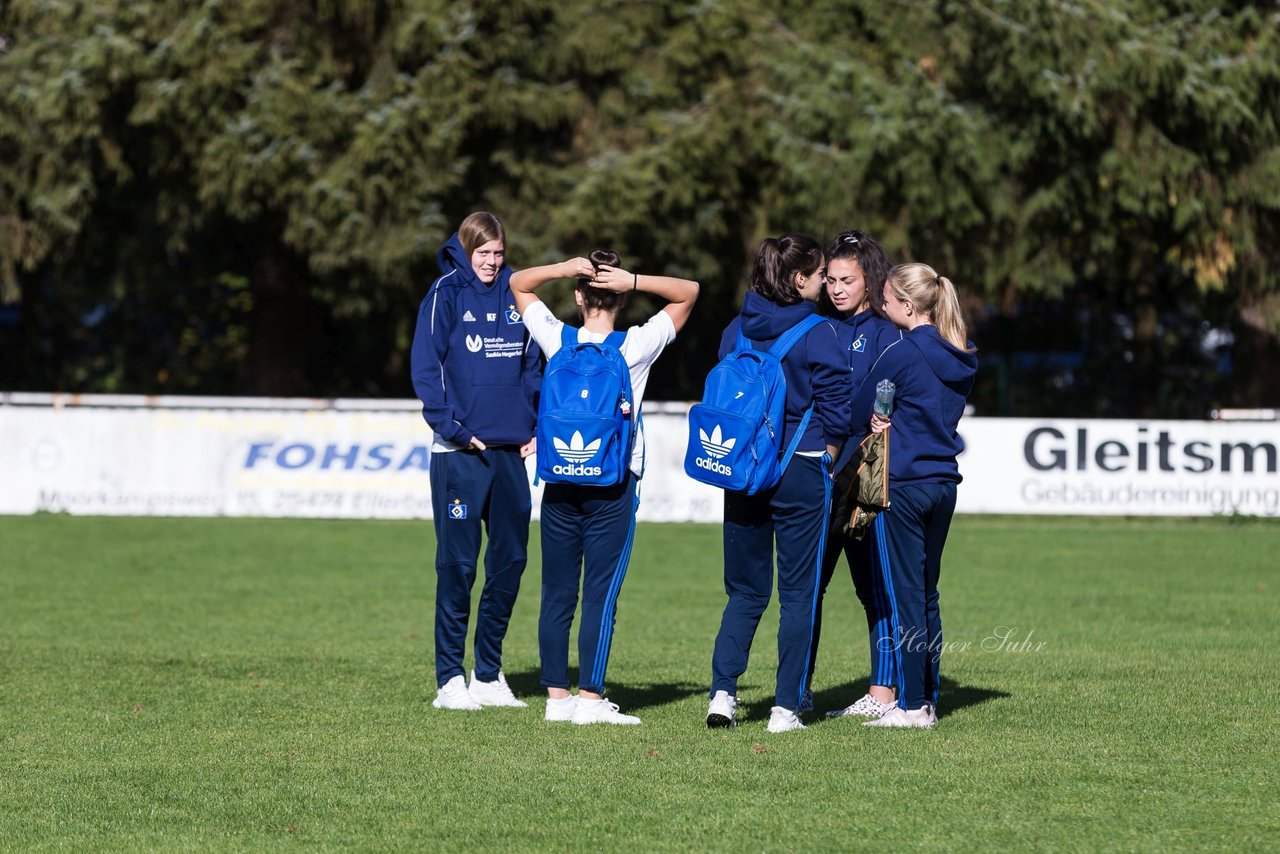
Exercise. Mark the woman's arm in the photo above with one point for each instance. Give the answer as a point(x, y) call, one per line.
point(680, 294)
point(525, 282)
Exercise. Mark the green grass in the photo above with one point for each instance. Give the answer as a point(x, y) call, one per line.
point(248, 684)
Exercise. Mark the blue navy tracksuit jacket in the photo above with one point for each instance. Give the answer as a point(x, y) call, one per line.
point(932, 379)
point(475, 369)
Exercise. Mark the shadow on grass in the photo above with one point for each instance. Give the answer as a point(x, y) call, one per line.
point(631, 696)
point(951, 698)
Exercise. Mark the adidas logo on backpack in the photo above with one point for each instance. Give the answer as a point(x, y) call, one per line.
point(584, 413)
point(735, 433)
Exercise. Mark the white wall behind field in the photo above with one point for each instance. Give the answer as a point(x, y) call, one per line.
point(189, 456)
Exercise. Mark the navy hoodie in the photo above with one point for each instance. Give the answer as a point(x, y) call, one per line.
point(932, 379)
point(475, 368)
point(815, 369)
point(864, 336)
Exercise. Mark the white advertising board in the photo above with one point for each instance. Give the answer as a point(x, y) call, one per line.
point(370, 459)
point(1119, 467)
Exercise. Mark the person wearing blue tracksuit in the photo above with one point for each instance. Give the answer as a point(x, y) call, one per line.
point(785, 283)
point(587, 531)
point(854, 297)
point(476, 371)
point(932, 369)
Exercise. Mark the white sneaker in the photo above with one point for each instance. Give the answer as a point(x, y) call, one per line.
point(867, 707)
point(783, 720)
point(600, 712)
point(723, 710)
point(454, 695)
point(494, 693)
point(921, 718)
point(562, 709)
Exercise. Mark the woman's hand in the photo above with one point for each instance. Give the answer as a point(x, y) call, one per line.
point(529, 448)
point(614, 279)
point(576, 268)
point(879, 423)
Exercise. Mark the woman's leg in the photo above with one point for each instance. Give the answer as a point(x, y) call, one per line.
point(459, 484)
point(610, 525)
point(561, 536)
point(870, 588)
point(900, 542)
point(748, 581)
point(507, 520)
point(935, 540)
point(800, 507)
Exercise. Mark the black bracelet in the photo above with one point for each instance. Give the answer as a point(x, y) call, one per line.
point(635, 281)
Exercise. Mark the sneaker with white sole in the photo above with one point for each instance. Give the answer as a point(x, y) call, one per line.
point(921, 718)
point(494, 693)
point(723, 710)
point(562, 709)
point(454, 695)
point(867, 707)
point(601, 712)
point(783, 720)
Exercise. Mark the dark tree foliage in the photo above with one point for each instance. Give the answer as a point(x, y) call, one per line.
point(246, 196)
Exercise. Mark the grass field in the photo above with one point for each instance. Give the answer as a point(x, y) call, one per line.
point(248, 684)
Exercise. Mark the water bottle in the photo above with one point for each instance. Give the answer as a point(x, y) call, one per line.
point(884, 398)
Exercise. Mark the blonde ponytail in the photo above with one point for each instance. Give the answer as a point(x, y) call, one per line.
point(935, 297)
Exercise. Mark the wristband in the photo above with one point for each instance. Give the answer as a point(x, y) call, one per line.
point(635, 281)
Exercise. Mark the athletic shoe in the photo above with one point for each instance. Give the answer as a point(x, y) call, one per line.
point(562, 709)
point(723, 710)
point(454, 695)
point(494, 693)
point(806, 701)
point(783, 720)
point(921, 718)
point(601, 712)
point(867, 707)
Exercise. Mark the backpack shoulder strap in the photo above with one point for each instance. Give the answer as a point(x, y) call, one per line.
point(788, 339)
point(568, 335)
point(616, 339)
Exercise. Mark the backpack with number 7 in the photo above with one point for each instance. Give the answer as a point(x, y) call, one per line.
point(735, 433)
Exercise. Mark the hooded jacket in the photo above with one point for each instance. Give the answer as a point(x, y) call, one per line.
point(864, 336)
point(931, 379)
point(475, 368)
point(815, 369)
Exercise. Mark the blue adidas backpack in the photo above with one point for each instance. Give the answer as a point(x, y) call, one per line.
point(585, 420)
point(735, 433)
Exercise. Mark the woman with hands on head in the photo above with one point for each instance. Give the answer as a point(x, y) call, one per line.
point(587, 530)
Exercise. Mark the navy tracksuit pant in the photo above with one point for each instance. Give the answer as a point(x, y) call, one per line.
point(910, 536)
point(795, 513)
point(871, 592)
point(471, 489)
point(587, 532)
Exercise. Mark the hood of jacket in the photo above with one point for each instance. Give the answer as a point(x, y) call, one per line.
point(452, 257)
point(954, 367)
point(763, 320)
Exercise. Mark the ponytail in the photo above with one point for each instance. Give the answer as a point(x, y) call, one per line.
point(935, 297)
point(777, 262)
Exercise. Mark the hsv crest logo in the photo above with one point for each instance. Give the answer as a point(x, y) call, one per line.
point(474, 343)
point(859, 345)
point(715, 445)
point(457, 510)
point(575, 451)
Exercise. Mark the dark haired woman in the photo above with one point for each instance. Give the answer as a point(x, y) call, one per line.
point(480, 405)
point(587, 530)
point(854, 294)
point(785, 286)
point(932, 369)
